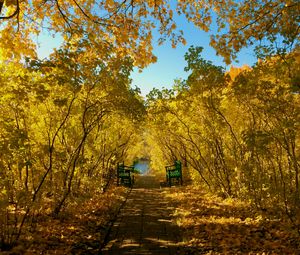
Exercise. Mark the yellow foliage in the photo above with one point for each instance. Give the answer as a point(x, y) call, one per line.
point(235, 71)
point(10, 2)
point(126, 25)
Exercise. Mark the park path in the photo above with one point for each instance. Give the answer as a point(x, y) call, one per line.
point(144, 224)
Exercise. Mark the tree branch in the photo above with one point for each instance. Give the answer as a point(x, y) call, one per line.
point(62, 14)
point(1, 5)
point(16, 12)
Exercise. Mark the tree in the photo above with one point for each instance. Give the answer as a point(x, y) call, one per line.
point(128, 25)
point(237, 131)
point(64, 123)
point(274, 24)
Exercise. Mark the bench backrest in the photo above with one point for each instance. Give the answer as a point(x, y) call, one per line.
point(123, 170)
point(174, 170)
point(178, 165)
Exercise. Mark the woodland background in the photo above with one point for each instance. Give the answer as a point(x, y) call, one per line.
point(66, 121)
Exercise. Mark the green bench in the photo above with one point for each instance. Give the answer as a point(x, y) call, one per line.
point(125, 175)
point(174, 172)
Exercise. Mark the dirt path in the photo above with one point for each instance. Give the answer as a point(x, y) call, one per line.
point(144, 224)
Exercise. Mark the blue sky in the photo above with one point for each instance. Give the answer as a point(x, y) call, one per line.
point(170, 63)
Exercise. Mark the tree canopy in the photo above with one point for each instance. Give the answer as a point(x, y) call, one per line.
point(68, 120)
point(128, 25)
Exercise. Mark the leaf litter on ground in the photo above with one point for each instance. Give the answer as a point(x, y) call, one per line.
point(79, 229)
point(212, 225)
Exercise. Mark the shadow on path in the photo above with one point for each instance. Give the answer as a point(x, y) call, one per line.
point(144, 224)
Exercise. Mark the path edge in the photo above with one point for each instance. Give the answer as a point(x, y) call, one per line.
point(112, 221)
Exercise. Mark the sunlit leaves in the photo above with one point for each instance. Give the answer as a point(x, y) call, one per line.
point(236, 131)
point(65, 122)
point(129, 25)
point(227, 225)
point(242, 23)
point(123, 24)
